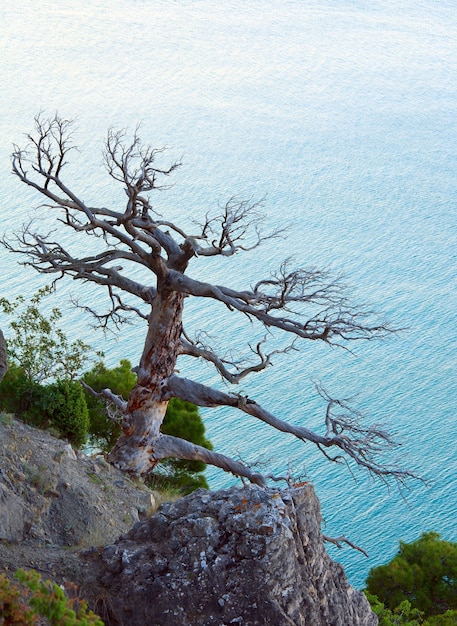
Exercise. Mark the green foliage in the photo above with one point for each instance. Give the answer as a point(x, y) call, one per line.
point(67, 410)
point(61, 405)
point(402, 615)
point(419, 585)
point(103, 430)
point(183, 420)
point(31, 601)
point(38, 345)
point(22, 396)
point(164, 478)
point(39, 351)
point(405, 615)
point(444, 619)
point(423, 572)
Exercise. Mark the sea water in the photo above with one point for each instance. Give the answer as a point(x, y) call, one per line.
point(341, 115)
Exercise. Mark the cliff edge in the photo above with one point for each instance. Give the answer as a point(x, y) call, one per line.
point(239, 556)
point(246, 555)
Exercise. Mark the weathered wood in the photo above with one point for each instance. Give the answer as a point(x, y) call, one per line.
point(146, 408)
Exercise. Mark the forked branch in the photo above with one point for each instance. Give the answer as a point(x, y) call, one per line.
point(240, 368)
point(365, 445)
point(236, 228)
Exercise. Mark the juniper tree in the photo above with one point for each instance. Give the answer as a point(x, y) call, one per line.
point(304, 303)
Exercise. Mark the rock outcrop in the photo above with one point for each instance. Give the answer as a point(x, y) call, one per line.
point(3, 357)
point(51, 495)
point(240, 556)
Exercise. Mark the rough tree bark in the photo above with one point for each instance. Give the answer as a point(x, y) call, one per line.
point(304, 303)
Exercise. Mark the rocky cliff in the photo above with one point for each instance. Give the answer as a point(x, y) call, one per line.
point(240, 556)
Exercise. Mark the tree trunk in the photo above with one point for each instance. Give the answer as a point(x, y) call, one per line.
point(146, 407)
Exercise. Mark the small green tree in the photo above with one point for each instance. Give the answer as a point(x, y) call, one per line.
point(104, 430)
point(444, 619)
point(38, 345)
point(67, 410)
point(183, 420)
point(39, 351)
point(402, 615)
point(425, 574)
point(22, 396)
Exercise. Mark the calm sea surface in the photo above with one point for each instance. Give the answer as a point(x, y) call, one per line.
point(342, 115)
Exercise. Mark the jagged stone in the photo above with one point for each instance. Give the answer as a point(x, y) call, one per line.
point(239, 556)
point(51, 495)
point(15, 517)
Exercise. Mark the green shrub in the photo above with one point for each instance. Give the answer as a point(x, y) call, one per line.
point(164, 478)
point(402, 615)
point(30, 601)
point(37, 344)
point(24, 397)
point(104, 431)
point(444, 619)
point(39, 351)
point(421, 578)
point(423, 572)
point(183, 420)
point(17, 390)
point(67, 410)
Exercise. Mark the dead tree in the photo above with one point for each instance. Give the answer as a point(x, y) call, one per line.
point(304, 303)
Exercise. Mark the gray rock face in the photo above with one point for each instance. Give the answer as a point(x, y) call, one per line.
point(3, 357)
point(52, 496)
point(240, 556)
point(15, 518)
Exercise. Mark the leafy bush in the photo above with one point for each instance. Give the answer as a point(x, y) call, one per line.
point(39, 351)
point(38, 345)
point(104, 431)
point(419, 584)
point(27, 602)
point(67, 410)
point(402, 615)
point(183, 420)
point(61, 405)
point(165, 478)
point(20, 395)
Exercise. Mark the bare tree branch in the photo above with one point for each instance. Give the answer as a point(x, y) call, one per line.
point(167, 446)
point(337, 541)
point(199, 350)
point(361, 444)
point(107, 395)
point(228, 232)
point(335, 320)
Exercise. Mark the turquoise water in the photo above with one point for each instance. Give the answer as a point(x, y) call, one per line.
point(343, 117)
